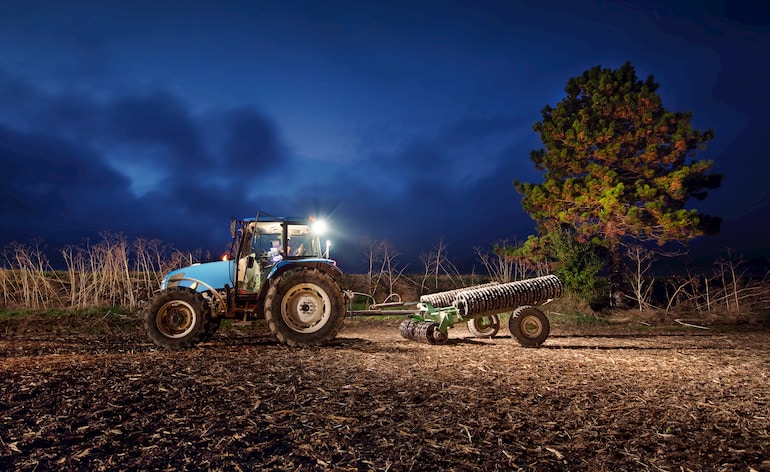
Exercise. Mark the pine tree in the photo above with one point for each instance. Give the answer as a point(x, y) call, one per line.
point(619, 166)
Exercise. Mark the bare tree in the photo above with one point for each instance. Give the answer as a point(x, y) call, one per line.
point(731, 278)
point(680, 284)
point(383, 267)
point(437, 263)
point(502, 266)
point(642, 260)
point(369, 249)
point(386, 255)
point(728, 289)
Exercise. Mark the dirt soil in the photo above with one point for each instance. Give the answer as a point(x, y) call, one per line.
point(93, 394)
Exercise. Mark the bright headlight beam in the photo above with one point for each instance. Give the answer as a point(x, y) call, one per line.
point(319, 227)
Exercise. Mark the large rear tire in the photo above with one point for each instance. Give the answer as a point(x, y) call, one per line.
point(529, 326)
point(304, 307)
point(176, 318)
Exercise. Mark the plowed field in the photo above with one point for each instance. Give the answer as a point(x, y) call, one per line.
point(95, 395)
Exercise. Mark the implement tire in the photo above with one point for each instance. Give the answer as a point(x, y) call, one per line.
point(529, 326)
point(176, 318)
point(304, 307)
point(485, 326)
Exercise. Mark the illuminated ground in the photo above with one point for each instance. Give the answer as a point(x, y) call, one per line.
point(95, 395)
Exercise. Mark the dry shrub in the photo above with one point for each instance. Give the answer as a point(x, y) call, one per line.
point(110, 272)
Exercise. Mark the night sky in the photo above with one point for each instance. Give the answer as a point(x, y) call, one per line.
point(401, 121)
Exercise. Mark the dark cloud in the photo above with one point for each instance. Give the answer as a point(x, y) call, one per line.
point(753, 14)
point(20, 102)
point(251, 143)
point(158, 119)
point(69, 179)
point(51, 189)
point(454, 185)
point(470, 130)
point(453, 155)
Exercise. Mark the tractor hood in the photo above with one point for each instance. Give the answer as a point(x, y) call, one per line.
point(214, 275)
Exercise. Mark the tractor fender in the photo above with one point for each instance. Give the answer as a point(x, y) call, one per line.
point(326, 266)
point(190, 284)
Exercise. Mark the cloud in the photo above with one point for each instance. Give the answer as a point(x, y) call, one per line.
point(455, 154)
point(51, 189)
point(72, 168)
point(145, 165)
point(251, 142)
point(160, 120)
point(416, 192)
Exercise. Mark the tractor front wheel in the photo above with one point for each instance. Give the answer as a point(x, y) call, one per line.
point(529, 326)
point(304, 308)
point(176, 318)
point(484, 326)
point(211, 328)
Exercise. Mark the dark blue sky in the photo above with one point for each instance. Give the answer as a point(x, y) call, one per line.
point(404, 121)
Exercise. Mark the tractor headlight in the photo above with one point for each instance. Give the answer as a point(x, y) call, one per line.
point(319, 227)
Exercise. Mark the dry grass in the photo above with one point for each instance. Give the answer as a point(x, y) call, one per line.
point(111, 271)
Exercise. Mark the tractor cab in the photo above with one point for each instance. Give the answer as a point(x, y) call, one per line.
point(266, 242)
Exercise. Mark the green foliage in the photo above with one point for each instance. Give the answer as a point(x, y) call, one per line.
point(15, 313)
point(616, 163)
point(577, 263)
point(534, 249)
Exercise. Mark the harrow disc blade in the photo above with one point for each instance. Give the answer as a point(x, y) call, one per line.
point(406, 329)
point(444, 299)
point(422, 331)
point(506, 297)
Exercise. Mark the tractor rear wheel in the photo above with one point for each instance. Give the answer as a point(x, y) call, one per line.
point(485, 326)
point(529, 326)
point(176, 318)
point(304, 307)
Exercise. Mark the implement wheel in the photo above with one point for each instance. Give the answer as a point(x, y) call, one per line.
point(529, 326)
point(176, 318)
point(304, 307)
point(485, 326)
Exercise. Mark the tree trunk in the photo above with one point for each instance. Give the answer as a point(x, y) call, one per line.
point(616, 273)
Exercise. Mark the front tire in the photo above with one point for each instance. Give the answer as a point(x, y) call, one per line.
point(529, 326)
point(176, 318)
point(304, 308)
point(211, 328)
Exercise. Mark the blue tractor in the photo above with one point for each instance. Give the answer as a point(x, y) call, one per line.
point(278, 272)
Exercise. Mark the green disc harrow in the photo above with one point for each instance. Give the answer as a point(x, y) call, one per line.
point(480, 306)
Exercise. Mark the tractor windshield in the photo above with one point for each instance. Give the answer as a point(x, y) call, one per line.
point(302, 242)
point(264, 243)
point(268, 241)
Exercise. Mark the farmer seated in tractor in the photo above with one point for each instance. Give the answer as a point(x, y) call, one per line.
point(296, 246)
point(275, 254)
